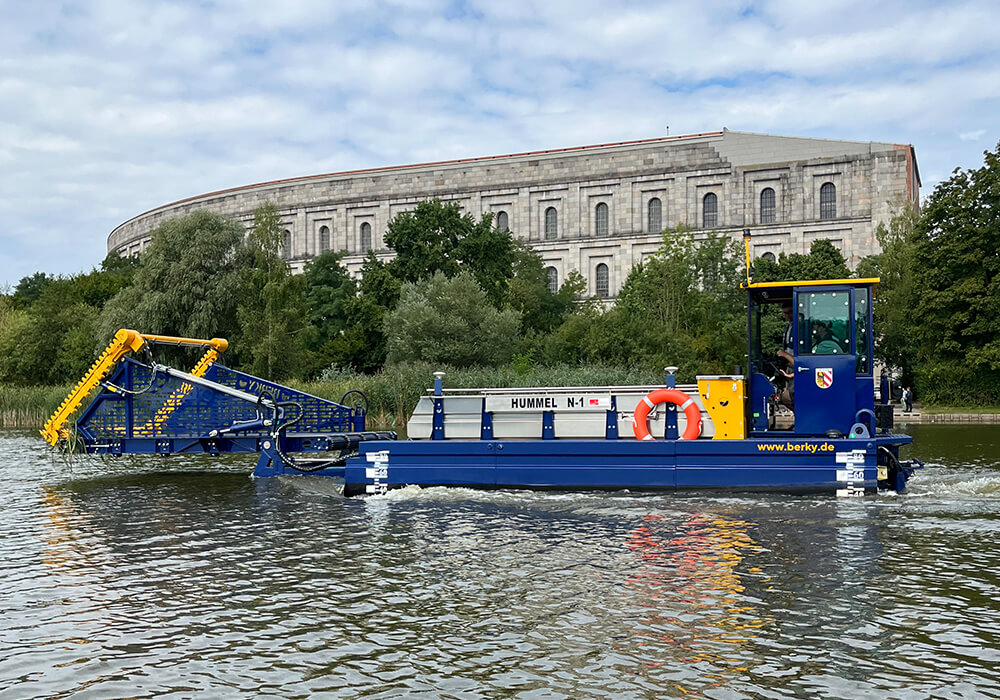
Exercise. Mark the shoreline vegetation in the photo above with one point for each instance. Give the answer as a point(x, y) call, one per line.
point(394, 391)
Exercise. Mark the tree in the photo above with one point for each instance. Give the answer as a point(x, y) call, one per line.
point(272, 311)
point(957, 266)
point(186, 284)
point(824, 262)
point(895, 297)
point(528, 292)
point(437, 237)
point(450, 322)
point(29, 288)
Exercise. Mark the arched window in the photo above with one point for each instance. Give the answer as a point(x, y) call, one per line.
point(503, 223)
point(828, 201)
point(710, 210)
point(601, 280)
point(767, 214)
point(286, 245)
point(769, 256)
point(551, 224)
point(366, 237)
point(601, 219)
point(654, 218)
point(324, 239)
point(552, 275)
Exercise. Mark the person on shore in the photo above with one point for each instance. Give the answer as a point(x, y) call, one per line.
point(907, 400)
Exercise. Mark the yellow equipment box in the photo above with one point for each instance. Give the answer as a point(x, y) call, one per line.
point(724, 398)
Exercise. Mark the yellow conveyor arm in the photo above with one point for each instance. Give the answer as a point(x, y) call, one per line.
point(125, 341)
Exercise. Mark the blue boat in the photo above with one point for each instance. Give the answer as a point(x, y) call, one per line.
point(810, 425)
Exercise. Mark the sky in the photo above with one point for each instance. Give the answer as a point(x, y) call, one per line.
point(109, 108)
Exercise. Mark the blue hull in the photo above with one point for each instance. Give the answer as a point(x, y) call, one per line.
point(847, 466)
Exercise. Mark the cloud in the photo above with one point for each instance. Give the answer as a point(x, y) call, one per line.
point(113, 107)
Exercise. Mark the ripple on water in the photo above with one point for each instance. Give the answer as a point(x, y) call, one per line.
point(183, 578)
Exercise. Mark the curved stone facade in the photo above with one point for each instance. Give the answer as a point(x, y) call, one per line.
point(596, 209)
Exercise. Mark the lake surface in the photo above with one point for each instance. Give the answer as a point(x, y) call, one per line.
point(185, 578)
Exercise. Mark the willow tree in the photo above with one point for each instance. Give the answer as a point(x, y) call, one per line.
point(272, 312)
point(186, 284)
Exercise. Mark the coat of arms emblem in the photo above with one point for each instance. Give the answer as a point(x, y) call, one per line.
point(824, 377)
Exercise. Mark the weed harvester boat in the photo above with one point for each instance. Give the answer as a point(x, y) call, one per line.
point(722, 432)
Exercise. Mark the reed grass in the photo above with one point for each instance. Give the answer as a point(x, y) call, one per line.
point(26, 407)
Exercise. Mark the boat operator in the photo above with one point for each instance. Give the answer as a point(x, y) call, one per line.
point(787, 395)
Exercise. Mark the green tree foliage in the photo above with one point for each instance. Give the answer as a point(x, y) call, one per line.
point(48, 329)
point(896, 294)
point(957, 309)
point(187, 283)
point(348, 317)
point(30, 288)
point(272, 309)
point(681, 307)
point(437, 237)
point(450, 321)
point(824, 262)
point(51, 342)
point(529, 294)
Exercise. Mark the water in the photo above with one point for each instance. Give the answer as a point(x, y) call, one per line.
point(160, 578)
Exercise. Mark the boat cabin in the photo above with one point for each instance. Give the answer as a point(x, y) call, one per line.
point(825, 372)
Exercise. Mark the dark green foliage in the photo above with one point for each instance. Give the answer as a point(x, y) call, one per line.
point(30, 288)
point(895, 296)
point(957, 305)
point(362, 344)
point(51, 341)
point(528, 292)
point(330, 296)
point(682, 307)
point(449, 321)
point(48, 326)
point(187, 283)
point(824, 262)
point(272, 309)
point(437, 237)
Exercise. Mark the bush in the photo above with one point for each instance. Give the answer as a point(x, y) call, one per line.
point(450, 321)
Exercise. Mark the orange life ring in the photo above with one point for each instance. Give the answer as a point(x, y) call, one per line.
point(640, 422)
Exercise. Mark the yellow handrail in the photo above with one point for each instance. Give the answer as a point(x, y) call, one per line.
point(125, 341)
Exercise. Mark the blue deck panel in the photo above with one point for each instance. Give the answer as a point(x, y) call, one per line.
point(785, 463)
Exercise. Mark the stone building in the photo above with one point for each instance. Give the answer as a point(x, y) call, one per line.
point(597, 209)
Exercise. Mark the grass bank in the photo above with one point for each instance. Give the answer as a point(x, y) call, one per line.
point(29, 406)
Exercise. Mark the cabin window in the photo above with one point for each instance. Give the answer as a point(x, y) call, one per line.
point(710, 210)
point(767, 206)
point(503, 223)
point(654, 219)
point(324, 239)
point(552, 276)
point(601, 219)
point(824, 323)
point(828, 201)
point(551, 224)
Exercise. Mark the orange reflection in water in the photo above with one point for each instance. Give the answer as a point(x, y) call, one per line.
point(691, 584)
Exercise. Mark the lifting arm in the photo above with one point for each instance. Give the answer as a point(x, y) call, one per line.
point(125, 341)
